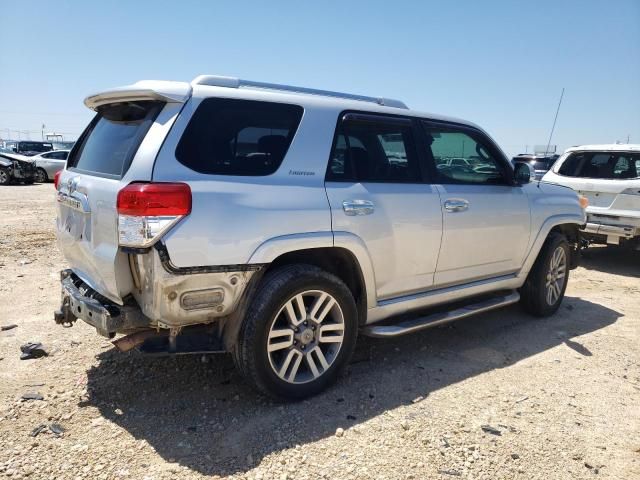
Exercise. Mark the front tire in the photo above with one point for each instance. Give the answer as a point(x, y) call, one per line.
point(41, 176)
point(299, 332)
point(5, 176)
point(543, 291)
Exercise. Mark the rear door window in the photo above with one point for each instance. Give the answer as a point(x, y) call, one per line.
point(108, 145)
point(56, 155)
point(601, 165)
point(238, 137)
point(374, 150)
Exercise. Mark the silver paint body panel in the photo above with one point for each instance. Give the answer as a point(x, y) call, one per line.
point(413, 251)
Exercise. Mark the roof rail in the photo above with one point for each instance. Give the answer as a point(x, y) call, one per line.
point(233, 82)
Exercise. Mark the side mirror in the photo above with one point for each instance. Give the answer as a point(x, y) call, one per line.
point(523, 172)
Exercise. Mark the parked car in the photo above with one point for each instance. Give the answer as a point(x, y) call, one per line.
point(49, 163)
point(540, 163)
point(609, 176)
point(278, 222)
point(30, 148)
point(16, 168)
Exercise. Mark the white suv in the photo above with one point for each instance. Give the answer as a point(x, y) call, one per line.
point(609, 177)
point(277, 222)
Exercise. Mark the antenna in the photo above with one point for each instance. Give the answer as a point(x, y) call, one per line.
point(546, 152)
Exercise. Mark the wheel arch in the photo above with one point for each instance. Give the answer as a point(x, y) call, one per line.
point(336, 260)
point(340, 253)
point(568, 225)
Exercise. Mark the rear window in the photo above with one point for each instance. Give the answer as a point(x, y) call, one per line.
point(34, 147)
point(238, 137)
point(108, 145)
point(602, 165)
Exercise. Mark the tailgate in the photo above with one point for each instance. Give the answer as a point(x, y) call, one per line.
point(598, 199)
point(118, 146)
point(614, 197)
point(88, 235)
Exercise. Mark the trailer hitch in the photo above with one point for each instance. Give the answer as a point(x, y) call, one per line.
point(63, 316)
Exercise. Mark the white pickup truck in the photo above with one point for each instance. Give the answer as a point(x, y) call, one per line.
point(278, 222)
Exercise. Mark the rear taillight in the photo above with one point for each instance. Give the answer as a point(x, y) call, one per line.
point(148, 210)
point(56, 179)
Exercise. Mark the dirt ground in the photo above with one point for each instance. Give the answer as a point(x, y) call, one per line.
point(562, 394)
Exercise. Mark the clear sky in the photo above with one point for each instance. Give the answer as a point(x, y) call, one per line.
point(501, 64)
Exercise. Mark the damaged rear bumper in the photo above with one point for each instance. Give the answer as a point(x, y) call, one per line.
point(79, 301)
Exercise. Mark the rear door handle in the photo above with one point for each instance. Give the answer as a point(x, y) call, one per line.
point(456, 205)
point(358, 207)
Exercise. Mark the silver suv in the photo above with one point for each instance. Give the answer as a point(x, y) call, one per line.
point(278, 222)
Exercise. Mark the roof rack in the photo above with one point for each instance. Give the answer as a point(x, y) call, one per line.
point(233, 82)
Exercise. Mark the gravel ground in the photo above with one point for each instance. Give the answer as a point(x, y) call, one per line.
point(558, 398)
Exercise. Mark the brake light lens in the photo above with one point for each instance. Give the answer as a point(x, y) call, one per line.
point(146, 211)
point(56, 179)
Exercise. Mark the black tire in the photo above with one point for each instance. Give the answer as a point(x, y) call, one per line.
point(534, 294)
point(5, 176)
point(272, 294)
point(41, 175)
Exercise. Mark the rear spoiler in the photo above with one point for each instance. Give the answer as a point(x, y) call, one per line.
point(170, 92)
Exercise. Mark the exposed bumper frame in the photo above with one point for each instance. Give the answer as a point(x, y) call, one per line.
point(79, 301)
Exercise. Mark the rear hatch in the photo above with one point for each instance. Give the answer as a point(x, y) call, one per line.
point(609, 180)
point(118, 147)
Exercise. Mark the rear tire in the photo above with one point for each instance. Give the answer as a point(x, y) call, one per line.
point(543, 291)
point(299, 331)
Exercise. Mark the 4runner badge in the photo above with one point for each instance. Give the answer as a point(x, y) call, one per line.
point(301, 172)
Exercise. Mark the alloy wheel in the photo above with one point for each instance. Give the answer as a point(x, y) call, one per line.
point(305, 336)
point(556, 275)
point(41, 176)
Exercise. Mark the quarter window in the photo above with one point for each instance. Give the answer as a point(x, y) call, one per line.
point(460, 158)
point(238, 137)
point(374, 151)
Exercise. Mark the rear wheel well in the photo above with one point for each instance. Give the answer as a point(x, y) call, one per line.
point(337, 261)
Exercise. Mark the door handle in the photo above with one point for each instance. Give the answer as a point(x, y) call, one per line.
point(456, 205)
point(357, 207)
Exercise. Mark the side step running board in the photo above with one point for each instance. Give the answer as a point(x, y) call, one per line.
point(415, 324)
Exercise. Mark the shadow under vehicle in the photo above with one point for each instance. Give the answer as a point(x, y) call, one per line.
point(202, 416)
